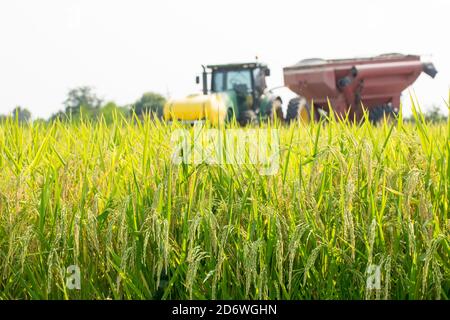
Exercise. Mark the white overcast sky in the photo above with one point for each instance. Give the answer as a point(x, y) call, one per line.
point(124, 48)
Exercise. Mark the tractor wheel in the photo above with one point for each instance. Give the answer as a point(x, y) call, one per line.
point(298, 109)
point(378, 113)
point(230, 115)
point(276, 110)
point(248, 117)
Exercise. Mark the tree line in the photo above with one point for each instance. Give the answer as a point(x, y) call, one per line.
point(83, 103)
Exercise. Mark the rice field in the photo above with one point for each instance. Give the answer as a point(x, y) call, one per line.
point(354, 212)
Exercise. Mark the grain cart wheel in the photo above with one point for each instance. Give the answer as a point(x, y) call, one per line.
point(248, 117)
point(378, 113)
point(298, 109)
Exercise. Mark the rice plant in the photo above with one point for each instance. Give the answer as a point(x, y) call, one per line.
point(109, 200)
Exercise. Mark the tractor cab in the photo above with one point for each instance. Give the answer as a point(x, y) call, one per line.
point(244, 78)
point(244, 83)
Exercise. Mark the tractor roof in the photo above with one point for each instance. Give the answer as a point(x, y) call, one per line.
point(231, 66)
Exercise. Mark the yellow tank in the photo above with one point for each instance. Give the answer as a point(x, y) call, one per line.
point(195, 107)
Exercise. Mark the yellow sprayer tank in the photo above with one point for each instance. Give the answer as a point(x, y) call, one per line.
point(196, 107)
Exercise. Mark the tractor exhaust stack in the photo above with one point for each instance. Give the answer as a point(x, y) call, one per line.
point(204, 81)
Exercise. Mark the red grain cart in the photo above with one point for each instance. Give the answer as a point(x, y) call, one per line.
point(350, 85)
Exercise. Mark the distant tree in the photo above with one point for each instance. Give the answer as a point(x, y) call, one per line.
point(150, 102)
point(60, 115)
point(434, 115)
point(108, 110)
point(39, 121)
point(81, 97)
point(82, 102)
point(22, 114)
